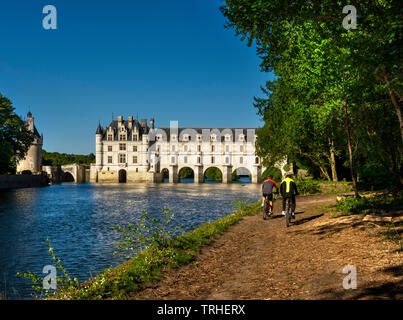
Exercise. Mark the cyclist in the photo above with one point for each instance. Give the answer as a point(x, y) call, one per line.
point(288, 189)
point(267, 191)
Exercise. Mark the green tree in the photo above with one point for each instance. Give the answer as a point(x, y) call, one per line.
point(58, 159)
point(15, 138)
point(340, 73)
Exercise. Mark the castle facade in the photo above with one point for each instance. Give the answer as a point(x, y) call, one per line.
point(131, 151)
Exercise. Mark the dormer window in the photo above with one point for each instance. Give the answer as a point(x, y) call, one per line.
point(173, 137)
point(122, 137)
point(135, 138)
point(110, 137)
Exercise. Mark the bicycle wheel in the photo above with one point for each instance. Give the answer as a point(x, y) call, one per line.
point(288, 213)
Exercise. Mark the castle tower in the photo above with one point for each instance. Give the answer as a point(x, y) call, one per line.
point(33, 159)
point(98, 148)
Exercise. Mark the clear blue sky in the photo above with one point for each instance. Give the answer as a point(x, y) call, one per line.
point(172, 60)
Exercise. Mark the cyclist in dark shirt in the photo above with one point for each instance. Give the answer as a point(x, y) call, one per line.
point(267, 191)
point(288, 189)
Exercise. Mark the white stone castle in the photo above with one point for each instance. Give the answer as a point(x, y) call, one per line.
point(131, 151)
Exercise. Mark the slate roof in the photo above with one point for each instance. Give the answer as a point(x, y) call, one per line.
point(199, 130)
point(114, 125)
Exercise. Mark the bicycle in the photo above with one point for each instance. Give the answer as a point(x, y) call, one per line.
point(288, 212)
point(267, 209)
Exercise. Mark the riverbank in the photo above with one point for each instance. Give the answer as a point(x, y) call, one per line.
point(17, 181)
point(149, 265)
point(257, 259)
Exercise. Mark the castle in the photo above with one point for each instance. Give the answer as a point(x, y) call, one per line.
point(33, 160)
point(130, 151)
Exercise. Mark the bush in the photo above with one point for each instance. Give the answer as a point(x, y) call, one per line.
point(352, 205)
point(307, 186)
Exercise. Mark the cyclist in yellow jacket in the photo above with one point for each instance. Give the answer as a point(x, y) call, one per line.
point(288, 189)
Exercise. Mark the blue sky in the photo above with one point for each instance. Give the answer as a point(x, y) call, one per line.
point(171, 60)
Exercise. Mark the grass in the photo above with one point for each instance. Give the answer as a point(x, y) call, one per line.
point(147, 266)
point(384, 201)
point(393, 232)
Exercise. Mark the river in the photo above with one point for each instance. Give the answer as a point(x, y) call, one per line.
point(77, 219)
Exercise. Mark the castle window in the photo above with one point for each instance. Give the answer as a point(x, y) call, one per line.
point(109, 159)
point(185, 148)
point(172, 159)
point(212, 148)
point(240, 160)
point(173, 148)
point(109, 148)
point(241, 148)
point(122, 137)
point(135, 137)
point(226, 159)
point(122, 158)
point(227, 148)
point(185, 159)
point(122, 146)
point(212, 159)
point(110, 137)
point(134, 159)
point(257, 160)
point(199, 148)
point(198, 159)
point(135, 148)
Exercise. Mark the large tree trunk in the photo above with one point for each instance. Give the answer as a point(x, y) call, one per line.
point(333, 161)
point(350, 149)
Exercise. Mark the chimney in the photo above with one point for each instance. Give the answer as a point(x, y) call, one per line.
point(120, 120)
point(152, 123)
point(130, 122)
point(143, 123)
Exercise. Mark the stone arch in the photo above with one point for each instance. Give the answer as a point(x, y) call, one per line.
point(67, 177)
point(211, 177)
point(242, 174)
point(122, 176)
point(67, 170)
point(165, 174)
point(190, 175)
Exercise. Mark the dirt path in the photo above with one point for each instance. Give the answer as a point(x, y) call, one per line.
point(262, 259)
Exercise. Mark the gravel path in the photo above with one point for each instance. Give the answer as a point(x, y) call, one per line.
point(262, 259)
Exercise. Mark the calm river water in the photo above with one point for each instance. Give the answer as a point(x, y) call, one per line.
point(77, 219)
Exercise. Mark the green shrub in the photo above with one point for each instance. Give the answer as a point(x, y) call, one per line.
point(307, 186)
point(352, 205)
